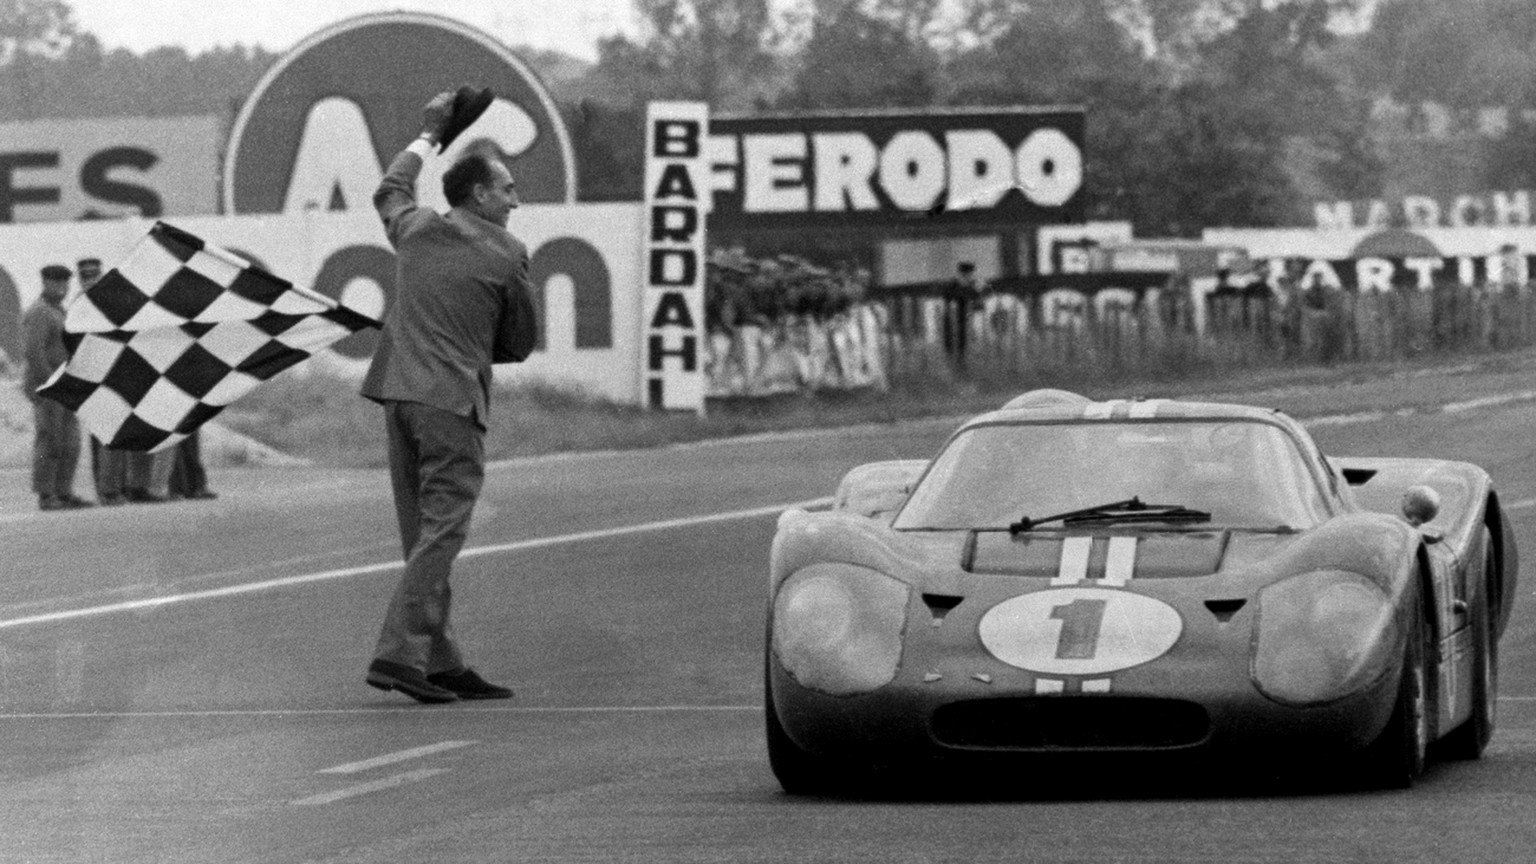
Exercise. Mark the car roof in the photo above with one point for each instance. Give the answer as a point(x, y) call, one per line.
point(1059, 406)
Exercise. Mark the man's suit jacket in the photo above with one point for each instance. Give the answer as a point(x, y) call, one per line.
point(462, 302)
point(43, 351)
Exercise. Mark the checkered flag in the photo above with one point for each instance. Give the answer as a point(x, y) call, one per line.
point(179, 330)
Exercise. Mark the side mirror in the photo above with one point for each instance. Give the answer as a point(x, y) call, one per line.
point(1420, 504)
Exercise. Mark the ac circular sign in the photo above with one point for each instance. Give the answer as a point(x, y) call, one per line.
point(353, 92)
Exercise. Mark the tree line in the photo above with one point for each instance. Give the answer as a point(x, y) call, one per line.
point(1200, 112)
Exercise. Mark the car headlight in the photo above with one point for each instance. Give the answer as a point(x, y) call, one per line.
point(837, 628)
point(1322, 636)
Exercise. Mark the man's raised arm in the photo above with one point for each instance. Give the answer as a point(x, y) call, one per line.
point(397, 191)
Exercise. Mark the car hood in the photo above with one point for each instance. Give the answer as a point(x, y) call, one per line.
point(1117, 556)
point(1372, 544)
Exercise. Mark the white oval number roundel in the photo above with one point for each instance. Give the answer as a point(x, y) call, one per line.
point(1080, 631)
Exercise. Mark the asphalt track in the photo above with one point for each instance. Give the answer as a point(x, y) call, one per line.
point(183, 682)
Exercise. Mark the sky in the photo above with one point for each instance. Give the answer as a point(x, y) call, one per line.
point(572, 26)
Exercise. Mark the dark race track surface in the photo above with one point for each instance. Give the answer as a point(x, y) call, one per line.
point(156, 707)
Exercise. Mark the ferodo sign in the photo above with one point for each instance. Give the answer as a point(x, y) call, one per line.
point(870, 169)
point(63, 170)
point(319, 126)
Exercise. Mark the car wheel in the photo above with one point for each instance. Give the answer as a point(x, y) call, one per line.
point(1470, 739)
point(799, 771)
point(1398, 754)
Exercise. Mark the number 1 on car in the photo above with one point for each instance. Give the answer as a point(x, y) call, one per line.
point(1080, 623)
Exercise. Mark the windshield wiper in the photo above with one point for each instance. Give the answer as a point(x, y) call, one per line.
point(1129, 510)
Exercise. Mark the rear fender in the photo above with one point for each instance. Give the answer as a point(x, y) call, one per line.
point(1464, 489)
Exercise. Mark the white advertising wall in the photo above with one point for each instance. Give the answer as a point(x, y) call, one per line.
point(586, 263)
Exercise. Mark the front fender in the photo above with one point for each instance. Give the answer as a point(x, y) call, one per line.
point(804, 538)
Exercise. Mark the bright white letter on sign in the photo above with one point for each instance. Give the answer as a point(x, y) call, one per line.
point(1050, 167)
point(845, 167)
point(912, 170)
point(335, 168)
point(775, 174)
point(1374, 274)
point(980, 168)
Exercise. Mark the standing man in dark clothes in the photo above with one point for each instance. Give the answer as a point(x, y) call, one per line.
point(462, 302)
point(56, 443)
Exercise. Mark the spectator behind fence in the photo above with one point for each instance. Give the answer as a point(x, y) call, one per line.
point(964, 295)
point(188, 477)
point(56, 440)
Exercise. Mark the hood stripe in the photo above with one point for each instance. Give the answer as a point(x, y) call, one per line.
point(1120, 563)
point(1074, 561)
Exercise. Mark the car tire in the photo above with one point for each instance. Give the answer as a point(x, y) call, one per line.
point(1398, 755)
point(1470, 739)
point(799, 771)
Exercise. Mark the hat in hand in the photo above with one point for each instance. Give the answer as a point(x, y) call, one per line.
point(468, 104)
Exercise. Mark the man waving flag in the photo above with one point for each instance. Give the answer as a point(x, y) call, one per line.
point(179, 330)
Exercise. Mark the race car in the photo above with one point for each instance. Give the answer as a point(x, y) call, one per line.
point(1070, 578)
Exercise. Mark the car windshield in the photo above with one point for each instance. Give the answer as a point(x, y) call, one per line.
point(1246, 474)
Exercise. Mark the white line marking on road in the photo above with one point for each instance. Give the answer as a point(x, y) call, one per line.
point(364, 788)
point(1522, 504)
point(435, 712)
point(387, 566)
point(392, 758)
point(403, 709)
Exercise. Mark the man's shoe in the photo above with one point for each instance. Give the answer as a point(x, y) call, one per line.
point(468, 685)
point(75, 502)
point(143, 496)
point(112, 501)
point(49, 502)
point(204, 495)
point(388, 675)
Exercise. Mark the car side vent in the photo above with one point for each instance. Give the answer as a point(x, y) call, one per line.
point(939, 605)
point(1225, 609)
point(1358, 476)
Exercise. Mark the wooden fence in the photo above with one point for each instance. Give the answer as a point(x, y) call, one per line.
point(1159, 329)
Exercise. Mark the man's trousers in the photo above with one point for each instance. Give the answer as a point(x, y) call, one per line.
point(436, 467)
point(55, 449)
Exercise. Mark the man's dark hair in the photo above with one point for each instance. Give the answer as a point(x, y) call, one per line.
point(459, 181)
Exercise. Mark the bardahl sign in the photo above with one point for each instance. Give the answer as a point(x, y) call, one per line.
point(879, 168)
point(320, 124)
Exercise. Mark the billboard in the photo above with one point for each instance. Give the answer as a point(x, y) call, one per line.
point(880, 169)
point(584, 268)
point(65, 170)
point(1391, 259)
point(315, 132)
point(674, 255)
